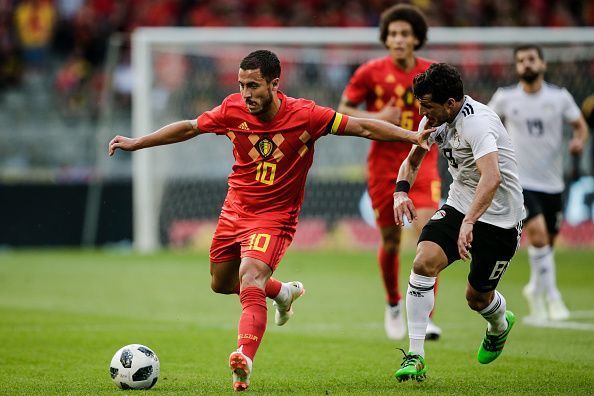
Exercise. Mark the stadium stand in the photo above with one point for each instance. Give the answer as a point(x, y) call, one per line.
point(55, 59)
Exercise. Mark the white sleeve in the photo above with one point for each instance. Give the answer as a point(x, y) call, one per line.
point(422, 124)
point(571, 111)
point(496, 102)
point(480, 135)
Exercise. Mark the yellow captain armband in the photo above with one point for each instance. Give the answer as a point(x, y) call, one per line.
point(339, 123)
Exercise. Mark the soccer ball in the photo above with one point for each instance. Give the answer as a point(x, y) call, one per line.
point(134, 366)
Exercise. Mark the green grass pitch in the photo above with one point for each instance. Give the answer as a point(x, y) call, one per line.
point(64, 313)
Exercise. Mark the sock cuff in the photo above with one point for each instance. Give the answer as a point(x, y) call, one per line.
point(539, 251)
point(273, 288)
point(498, 299)
point(252, 296)
point(421, 282)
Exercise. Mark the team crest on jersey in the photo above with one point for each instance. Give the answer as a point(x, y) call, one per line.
point(455, 140)
point(440, 214)
point(548, 107)
point(265, 147)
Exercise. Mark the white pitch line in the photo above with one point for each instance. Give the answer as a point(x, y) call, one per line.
point(581, 314)
point(560, 324)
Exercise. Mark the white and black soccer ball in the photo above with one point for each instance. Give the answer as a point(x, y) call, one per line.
point(134, 366)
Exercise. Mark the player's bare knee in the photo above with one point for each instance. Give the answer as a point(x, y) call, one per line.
point(220, 287)
point(538, 243)
point(538, 239)
point(477, 302)
point(537, 233)
point(474, 304)
point(391, 246)
point(424, 265)
point(253, 279)
point(429, 260)
point(391, 242)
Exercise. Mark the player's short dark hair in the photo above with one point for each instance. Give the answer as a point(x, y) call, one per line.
point(408, 13)
point(526, 47)
point(442, 81)
point(266, 61)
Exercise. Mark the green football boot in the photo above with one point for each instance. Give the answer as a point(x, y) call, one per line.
point(412, 367)
point(492, 345)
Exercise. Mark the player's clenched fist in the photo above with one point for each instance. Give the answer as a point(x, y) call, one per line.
point(403, 206)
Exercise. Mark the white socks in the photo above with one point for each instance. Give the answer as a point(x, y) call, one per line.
point(419, 303)
point(543, 278)
point(284, 293)
point(495, 315)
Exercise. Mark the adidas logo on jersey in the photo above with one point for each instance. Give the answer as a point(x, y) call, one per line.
point(467, 109)
point(244, 126)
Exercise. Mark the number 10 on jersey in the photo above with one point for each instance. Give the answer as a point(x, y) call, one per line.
point(265, 172)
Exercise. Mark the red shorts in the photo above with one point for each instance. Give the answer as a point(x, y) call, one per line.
point(424, 193)
point(236, 237)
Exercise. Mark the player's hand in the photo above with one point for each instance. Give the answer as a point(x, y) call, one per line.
point(423, 138)
point(465, 240)
point(403, 206)
point(122, 143)
point(576, 146)
point(390, 113)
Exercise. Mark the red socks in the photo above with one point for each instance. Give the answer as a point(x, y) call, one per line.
point(273, 287)
point(252, 322)
point(389, 267)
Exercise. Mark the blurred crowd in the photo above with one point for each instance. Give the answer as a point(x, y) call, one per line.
point(53, 55)
point(53, 62)
point(74, 33)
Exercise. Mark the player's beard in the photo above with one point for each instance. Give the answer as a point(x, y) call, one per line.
point(529, 76)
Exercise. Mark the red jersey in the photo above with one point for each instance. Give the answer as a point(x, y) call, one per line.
point(271, 158)
point(375, 83)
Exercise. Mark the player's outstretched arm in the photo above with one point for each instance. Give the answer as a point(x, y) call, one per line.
point(172, 133)
point(403, 205)
point(384, 131)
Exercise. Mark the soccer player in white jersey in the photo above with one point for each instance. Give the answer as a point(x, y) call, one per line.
point(482, 215)
point(534, 112)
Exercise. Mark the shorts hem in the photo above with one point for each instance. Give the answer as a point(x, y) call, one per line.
point(441, 244)
point(272, 267)
point(218, 260)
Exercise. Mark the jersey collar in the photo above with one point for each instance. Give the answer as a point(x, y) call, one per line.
point(459, 115)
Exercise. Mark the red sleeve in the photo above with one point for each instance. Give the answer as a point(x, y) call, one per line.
point(325, 120)
point(357, 89)
point(213, 121)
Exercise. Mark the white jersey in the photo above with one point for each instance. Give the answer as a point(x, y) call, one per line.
point(475, 132)
point(535, 123)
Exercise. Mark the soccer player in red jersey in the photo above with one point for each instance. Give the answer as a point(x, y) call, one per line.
point(273, 138)
point(384, 85)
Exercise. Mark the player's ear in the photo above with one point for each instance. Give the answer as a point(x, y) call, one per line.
point(275, 82)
